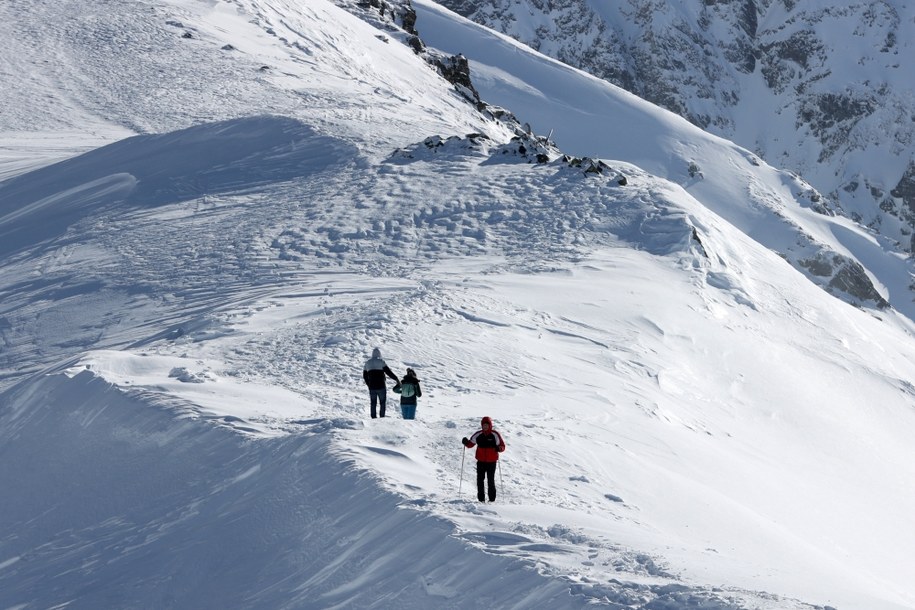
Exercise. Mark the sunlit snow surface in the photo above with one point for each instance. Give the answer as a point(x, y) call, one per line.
point(185, 315)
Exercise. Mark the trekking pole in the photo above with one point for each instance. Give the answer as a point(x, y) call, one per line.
point(461, 484)
point(501, 484)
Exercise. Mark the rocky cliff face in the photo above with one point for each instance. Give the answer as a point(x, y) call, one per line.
point(821, 88)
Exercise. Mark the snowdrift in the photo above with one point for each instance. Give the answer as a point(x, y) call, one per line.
point(110, 502)
point(157, 170)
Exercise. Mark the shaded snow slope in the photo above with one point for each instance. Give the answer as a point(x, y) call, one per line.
point(128, 505)
point(158, 170)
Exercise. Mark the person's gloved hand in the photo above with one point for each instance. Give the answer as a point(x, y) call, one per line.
point(465, 441)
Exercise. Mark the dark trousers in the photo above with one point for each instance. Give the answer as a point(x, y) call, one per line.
point(486, 469)
point(378, 396)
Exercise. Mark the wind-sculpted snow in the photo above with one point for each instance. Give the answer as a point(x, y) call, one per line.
point(326, 208)
point(128, 491)
point(467, 198)
point(88, 78)
point(152, 171)
point(135, 508)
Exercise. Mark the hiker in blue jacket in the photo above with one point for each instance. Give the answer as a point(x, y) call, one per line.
point(409, 391)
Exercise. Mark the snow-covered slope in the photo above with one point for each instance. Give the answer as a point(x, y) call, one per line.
point(589, 117)
point(818, 87)
point(185, 313)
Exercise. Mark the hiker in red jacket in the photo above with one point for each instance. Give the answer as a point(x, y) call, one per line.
point(489, 444)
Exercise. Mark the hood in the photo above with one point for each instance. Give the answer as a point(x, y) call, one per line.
point(376, 353)
point(486, 420)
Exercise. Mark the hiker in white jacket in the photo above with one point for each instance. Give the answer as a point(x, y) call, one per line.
point(373, 374)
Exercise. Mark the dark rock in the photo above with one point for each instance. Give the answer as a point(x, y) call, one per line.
point(416, 44)
point(847, 276)
point(851, 279)
point(831, 116)
point(905, 189)
point(408, 21)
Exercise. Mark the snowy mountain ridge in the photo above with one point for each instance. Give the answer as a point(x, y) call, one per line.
point(212, 212)
point(811, 86)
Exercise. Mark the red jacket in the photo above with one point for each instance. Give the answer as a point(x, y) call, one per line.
point(489, 445)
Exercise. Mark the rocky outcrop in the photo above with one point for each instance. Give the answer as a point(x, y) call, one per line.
point(456, 70)
point(398, 17)
point(901, 201)
point(846, 277)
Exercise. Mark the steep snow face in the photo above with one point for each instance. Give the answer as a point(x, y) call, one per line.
point(133, 507)
point(110, 70)
point(824, 90)
point(778, 209)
